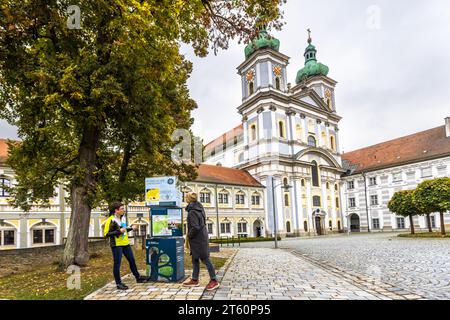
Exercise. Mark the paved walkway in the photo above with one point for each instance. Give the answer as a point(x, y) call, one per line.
point(269, 274)
point(160, 291)
point(420, 266)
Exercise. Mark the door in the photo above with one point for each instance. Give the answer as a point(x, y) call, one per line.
point(354, 223)
point(318, 226)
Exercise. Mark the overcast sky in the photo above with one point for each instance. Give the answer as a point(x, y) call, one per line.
point(393, 73)
point(391, 60)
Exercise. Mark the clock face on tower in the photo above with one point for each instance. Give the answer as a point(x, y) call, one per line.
point(277, 71)
point(250, 75)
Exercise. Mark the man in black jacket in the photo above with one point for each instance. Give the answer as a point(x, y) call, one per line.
point(199, 242)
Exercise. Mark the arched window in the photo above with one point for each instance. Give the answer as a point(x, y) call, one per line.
point(240, 198)
point(43, 233)
point(312, 141)
point(315, 174)
point(328, 185)
point(281, 129)
point(7, 234)
point(4, 183)
point(285, 181)
point(339, 225)
point(336, 187)
point(251, 88)
point(253, 132)
point(330, 225)
point(288, 227)
point(332, 144)
point(324, 138)
point(329, 103)
point(302, 182)
point(337, 202)
point(305, 226)
point(205, 196)
point(286, 199)
point(278, 83)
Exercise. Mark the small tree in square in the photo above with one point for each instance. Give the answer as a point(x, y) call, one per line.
point(434, 196)
point(402, 204)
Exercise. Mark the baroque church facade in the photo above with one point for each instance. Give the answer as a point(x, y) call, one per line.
point(288, 139)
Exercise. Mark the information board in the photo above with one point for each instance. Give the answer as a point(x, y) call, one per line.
point(162, 191)
point(166, 222)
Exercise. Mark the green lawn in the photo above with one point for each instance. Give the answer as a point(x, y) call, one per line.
point(424, 235)
point(46, 282)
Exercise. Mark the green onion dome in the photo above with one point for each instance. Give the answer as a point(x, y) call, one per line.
point(263, 40)
point(312, 67)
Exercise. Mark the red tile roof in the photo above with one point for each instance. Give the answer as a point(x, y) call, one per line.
point(3, 150)
point(226, 137)
point(206, 173)
point(420, 146)
point(227, 176)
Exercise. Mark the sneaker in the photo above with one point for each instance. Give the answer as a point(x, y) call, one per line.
point(122, 286)
point(212, 285)
point(142, 279)
point(191, 283)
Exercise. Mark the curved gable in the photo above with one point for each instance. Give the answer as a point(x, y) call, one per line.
point(322, 153)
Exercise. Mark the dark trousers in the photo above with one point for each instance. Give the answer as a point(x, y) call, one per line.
point(196, 268)
point(117, 255)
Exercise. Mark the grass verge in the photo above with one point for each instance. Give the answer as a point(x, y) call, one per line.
point(424, 235)
point(45, 282)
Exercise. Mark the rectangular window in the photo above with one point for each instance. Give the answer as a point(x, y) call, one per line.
point(50, 236)
point(442, 171)
point(373, 181)
point(225, 227)
point(376, 224)
point(256, 200)
point(426, 172)
point(223, 198)
point(210, 228)
point(374, 200)
point(242, 227)
point(351, 185)
point(397, 177)
point(352, 202)
point(410, 175)
point(401, 223)
point(433, 221)
point(38, 236)
point(4, 183)
point(205, 197)
point(316, 201)
point(8, 238)
point(239, 199)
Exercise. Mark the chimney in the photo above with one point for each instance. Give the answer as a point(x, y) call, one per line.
point(447, 127)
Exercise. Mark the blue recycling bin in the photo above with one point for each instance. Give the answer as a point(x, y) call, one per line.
point(165, 258)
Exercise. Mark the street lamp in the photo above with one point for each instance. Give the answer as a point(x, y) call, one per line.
point(286, 187)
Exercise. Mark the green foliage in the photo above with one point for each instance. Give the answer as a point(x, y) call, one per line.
point(96, 106)
point(402, 204)
point(433, 195)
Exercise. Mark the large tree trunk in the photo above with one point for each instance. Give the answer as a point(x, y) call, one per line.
point(411, 222)
point(76, 250)
point(429, 223)
point(442, 223)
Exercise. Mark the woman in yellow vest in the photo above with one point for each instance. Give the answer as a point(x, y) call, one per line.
point(116, 230)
